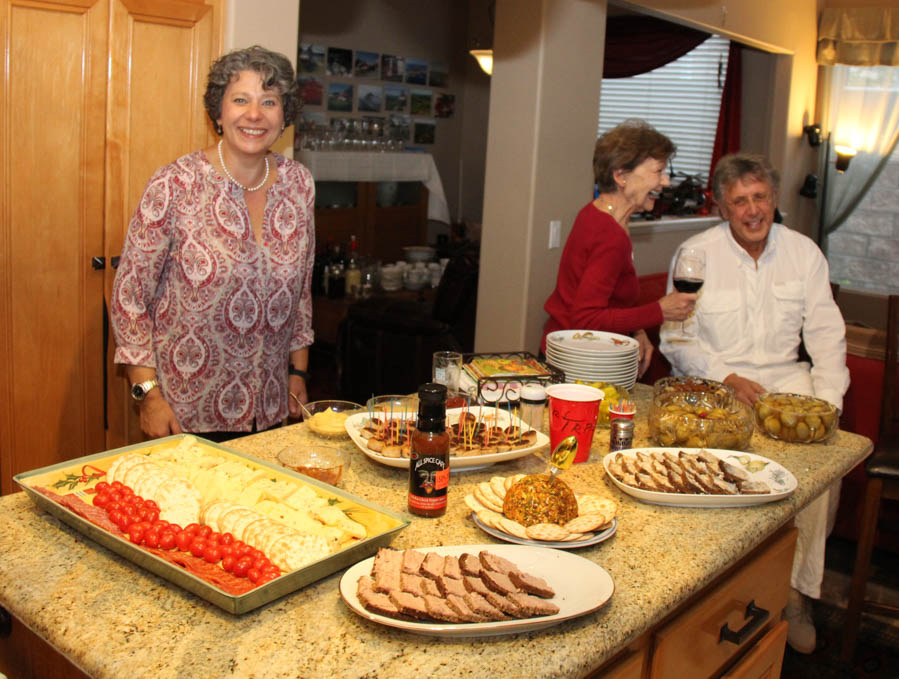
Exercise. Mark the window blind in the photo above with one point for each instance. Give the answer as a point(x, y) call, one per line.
point(681, 100)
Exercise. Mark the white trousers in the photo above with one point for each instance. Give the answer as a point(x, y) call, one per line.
point(815, 522)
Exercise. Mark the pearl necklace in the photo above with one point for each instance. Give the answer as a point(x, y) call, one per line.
point(245, 188)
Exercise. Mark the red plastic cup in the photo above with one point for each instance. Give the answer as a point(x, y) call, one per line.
point(572, 410)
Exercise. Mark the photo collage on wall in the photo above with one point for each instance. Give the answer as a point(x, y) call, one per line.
point(396, 97)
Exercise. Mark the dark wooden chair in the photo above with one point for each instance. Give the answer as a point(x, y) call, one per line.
point(883, 484)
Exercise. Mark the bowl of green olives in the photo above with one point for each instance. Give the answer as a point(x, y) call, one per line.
point(795, 418)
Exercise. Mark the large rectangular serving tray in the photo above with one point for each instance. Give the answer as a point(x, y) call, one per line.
point(387, 524)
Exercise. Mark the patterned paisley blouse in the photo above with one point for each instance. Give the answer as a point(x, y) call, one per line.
point(198, 299)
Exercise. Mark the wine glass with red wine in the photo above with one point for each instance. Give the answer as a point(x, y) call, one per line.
point(689, 271)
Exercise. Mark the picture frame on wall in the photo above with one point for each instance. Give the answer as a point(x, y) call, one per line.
point(420, 102)
point(366, 64)
point(340, 97)
point(311, 89)
point(424, 132)
point(340, 61)
point(369, 98)
point(416, 72)
point(444, 105)
point(393, 68)
point(438, 74)
point(311, 59)
point(400, 126)
point(396, 98)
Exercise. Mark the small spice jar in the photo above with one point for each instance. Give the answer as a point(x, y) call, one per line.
point(533, 400)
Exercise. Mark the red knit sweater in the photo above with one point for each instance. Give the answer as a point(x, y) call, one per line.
point(597, 285)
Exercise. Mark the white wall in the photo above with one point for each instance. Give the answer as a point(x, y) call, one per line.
point(272, 24)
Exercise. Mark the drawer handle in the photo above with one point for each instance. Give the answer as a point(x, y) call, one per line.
point(755, 618)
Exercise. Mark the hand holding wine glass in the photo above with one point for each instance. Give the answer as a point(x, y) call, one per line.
point(689, 271)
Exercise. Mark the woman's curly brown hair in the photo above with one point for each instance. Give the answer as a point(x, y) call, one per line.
point(624, 147)
point(275, 70)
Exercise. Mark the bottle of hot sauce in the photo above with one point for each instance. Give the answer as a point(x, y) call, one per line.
point(429, 468)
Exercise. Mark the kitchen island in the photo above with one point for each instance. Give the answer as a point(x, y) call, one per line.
point(112, 619)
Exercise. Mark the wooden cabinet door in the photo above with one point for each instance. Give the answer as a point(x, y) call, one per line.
point(160, 53)
point(52, 116)
point(765, 659)
point(97, 95)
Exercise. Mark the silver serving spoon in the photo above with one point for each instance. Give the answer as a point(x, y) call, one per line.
point(563, 456)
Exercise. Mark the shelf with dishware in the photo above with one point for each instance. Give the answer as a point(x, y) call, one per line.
point(384, 216)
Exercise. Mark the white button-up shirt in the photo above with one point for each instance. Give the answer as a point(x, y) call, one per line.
point(751, 316)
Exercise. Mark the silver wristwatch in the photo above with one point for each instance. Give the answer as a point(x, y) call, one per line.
point(140, 390)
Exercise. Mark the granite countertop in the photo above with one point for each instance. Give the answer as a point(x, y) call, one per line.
point(113, 619)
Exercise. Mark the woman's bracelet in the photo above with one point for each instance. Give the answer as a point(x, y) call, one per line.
point(299, 373)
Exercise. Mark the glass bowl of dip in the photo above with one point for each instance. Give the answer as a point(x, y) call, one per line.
point(327, 418)
point(327, 463)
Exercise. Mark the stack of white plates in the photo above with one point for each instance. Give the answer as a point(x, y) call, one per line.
point(594, 356)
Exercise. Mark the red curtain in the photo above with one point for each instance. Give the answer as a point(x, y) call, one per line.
point(639, 44)
point(727, 138)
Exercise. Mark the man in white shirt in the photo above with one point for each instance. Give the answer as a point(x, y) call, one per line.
point(766, 289)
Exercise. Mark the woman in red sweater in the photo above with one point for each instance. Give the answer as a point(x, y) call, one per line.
point(597, 285)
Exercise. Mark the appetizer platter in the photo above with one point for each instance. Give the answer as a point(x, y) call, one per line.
point(699, 477)
point(235, 530)
point(479, 436)
point(553, 586)
point(539, 511)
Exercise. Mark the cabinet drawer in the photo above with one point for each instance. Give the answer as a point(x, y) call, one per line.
point(764, 660)
point(748, 601)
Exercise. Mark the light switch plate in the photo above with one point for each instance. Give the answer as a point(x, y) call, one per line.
point(555, 234)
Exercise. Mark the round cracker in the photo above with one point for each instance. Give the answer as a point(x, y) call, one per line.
point(585, 523)
point(588, 503)
point(512, 528)
point(489, 501)
point(512, 480)
point(547, 531)
point(489, 518)
point(497, 485)
point(474, 504)
point(573, 537)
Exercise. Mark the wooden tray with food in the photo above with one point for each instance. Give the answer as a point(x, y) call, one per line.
point(479, 436)
point(235, 530)
point(474, 590)
point(699, 477)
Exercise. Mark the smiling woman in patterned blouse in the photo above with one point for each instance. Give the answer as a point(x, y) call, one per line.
point(211, 305)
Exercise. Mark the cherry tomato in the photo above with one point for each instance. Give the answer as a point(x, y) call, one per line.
point(175, 527)
point(183, 540)
point(116, 495)
point(136, 534)
point(151, 538)
point(197, 546)
point(240, 548)
point(228, 562)
point(253, 575)
point(166, 539)
point(204, 531)
point(226, 550)
point(261, 563)
point(212, 553)
point(161, 523)
point(192, 528)
point(263, 578)
point(136, 501)
point(226, 539)
point(117, 517)
point(255, 554)
point(241, 566)
point(126, 492)
point(102, 487)
point(152, 505)
point(147, 514)
point(101, 500)
point(272, 572)
point(116, 485)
